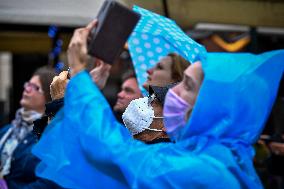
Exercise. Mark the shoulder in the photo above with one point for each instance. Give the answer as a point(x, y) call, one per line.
point(4, 129)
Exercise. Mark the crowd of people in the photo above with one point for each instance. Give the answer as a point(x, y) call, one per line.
point(195, 129)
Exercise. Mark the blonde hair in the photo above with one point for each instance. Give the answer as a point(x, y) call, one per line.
point(179, 64)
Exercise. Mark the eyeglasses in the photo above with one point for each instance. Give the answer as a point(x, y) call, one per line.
point(31, 86)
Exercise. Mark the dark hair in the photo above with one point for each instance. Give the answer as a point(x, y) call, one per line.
point(128, 74)
point(46, 74)
point(179, 64)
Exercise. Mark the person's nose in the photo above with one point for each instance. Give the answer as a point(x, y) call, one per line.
point(177, 89)
point(27, 89)
point(120, 94)
point(150, 71)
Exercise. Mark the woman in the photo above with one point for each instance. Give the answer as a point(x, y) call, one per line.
point(167, 71)
point(17, 162)
point(213, 150)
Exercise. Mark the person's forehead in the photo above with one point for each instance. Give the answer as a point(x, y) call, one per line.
point(165, 60)
point(130, 83)
point(35, 80)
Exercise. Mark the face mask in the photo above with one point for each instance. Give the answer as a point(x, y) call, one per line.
point(139, 115)
point(175, 109)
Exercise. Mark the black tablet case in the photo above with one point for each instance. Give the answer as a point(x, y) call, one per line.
point(115, 24)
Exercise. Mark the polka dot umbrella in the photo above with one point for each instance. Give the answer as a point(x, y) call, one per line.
point(154, 37)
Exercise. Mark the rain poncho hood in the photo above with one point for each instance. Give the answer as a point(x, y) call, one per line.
point(236, 95)
point(85, 147)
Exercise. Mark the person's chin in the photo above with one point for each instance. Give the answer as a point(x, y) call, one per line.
point(118, 108)
point(146, 86)
point(23, 102)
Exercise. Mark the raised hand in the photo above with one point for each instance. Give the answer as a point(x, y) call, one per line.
point(100, 73)
point(77, 49)
point(58, 85)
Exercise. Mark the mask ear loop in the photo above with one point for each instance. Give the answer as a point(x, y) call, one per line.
point(157, 130)
point(150, 99)
point(158, 117)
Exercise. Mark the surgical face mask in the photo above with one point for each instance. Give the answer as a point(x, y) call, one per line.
point(139, 115)
point(175, 109)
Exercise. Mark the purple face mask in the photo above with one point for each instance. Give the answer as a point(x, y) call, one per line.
point(174, 111)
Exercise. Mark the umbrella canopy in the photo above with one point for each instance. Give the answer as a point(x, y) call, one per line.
point(154, 37)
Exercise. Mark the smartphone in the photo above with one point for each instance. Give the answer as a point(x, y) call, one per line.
point(115, 24)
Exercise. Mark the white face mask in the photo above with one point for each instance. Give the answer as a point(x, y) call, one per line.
point(139, 115)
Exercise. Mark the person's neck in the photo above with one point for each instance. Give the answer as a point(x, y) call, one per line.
point(148, 135)
point(118, 116)
point(40, 111)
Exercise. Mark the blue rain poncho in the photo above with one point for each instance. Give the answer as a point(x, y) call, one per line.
point(85, 147)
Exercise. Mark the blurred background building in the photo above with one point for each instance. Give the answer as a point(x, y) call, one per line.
point(36, 33)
